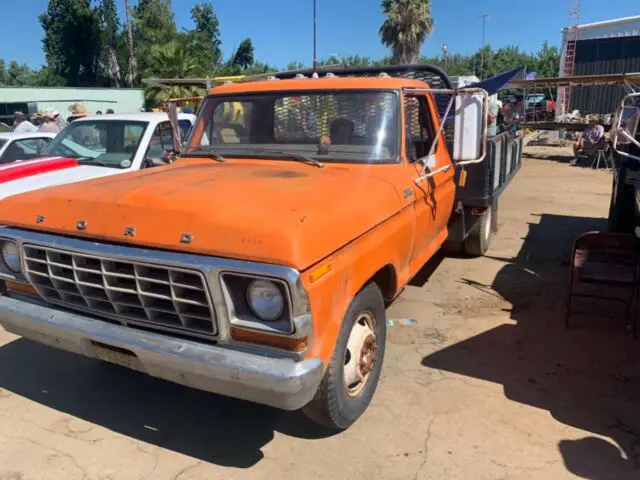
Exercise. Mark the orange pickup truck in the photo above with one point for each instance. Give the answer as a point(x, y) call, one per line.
point(258, 265)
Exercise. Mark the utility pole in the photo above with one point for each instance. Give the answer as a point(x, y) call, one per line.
point(445, 54)
point(485, 17)
point(315, 58)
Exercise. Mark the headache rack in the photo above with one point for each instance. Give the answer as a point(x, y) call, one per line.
point(434, 76)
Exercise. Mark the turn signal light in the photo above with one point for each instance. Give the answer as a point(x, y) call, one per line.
point(20, 288)
point(285, 343)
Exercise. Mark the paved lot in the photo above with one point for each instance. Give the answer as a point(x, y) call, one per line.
point(486, 385)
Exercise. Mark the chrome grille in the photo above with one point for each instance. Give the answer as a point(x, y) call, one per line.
point(165, 298)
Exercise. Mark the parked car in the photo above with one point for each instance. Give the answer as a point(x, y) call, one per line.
point(22, 146)
point(92, 147)
point(258, 265)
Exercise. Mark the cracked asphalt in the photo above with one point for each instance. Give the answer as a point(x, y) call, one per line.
point(486, 385)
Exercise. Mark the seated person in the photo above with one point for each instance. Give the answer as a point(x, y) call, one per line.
point(340, 132)
point(590, 142)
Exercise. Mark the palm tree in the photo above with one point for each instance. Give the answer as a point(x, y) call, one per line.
point(132, 73)
point(172, 60)
point(110, 25)
point(407, 26)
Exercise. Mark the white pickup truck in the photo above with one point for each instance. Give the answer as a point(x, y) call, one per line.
point(93, 147)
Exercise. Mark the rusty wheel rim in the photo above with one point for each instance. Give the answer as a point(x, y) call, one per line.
point(360, 356)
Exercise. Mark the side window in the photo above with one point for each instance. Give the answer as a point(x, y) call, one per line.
point(33, 145)
point(419, 128)
point(185, 129)
point(24, 149)
point(161, 140)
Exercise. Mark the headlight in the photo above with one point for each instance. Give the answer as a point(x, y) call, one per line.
point(265, 300)
point(11, 256)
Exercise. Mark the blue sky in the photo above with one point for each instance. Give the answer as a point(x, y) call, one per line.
point(281, 30)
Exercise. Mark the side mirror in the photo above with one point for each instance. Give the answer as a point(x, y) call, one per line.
point(168, 157)
point(470, 125)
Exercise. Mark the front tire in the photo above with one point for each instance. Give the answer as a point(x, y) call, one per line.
point(353, 373)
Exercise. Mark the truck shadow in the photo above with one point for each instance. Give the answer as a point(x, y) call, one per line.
point(587, 377)
point(208, 427)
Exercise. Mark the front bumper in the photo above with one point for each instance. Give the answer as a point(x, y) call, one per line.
point(278, 382)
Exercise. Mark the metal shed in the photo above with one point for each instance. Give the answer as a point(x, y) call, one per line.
point(609, 47)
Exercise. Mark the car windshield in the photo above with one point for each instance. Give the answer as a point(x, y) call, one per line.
point(354, 127)
point(104, 143)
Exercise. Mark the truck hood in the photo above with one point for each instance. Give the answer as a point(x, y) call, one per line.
point(21, 169)
point(266, 211)
point(72, 173)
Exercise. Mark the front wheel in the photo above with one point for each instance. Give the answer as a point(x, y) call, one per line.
point(353, 373)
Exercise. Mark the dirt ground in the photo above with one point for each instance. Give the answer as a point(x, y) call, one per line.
point(487, 384)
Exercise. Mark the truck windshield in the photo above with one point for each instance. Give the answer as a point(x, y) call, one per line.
point(103, 143)
point(354, 127)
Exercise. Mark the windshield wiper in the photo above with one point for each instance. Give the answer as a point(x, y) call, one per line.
point(206, 154)
point(294, 156)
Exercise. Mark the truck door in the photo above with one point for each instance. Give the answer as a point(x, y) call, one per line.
point(434, 195)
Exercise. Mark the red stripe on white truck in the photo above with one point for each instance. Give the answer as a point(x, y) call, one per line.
point(28, 168)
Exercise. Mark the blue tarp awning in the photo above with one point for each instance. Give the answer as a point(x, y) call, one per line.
point(493, 84)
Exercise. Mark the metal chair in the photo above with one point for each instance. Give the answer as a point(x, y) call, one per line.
point(601, 156)
point(607, 260)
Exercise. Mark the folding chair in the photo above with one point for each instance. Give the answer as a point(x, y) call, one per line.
point(607, 260)
point(600, 156)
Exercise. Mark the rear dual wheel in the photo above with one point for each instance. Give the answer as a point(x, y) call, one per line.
point(353, 373)
point(479, 239)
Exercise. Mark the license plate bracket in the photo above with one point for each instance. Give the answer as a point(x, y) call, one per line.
point(116, 355)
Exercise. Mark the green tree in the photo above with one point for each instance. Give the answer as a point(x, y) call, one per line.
point(3, 72)
point(45, 77)
point(19, 75)
point(204, 39)
point(243, 57)
point(358, 61)
point(548, 61)
point(154, 25)
point(483, 62)
point(172, 60)
point(72, 40)
point(406, 28)
point(295, 66)
point(110, 26)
